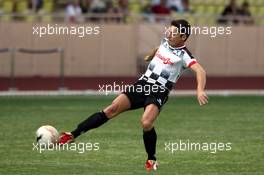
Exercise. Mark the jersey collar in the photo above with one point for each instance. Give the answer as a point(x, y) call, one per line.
point(176, 47)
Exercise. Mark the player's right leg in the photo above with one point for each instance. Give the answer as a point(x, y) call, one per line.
point(119, 105)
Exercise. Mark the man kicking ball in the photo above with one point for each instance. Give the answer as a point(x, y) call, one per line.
point(151, 91)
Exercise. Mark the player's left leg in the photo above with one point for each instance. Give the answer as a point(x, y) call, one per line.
point(149, 135)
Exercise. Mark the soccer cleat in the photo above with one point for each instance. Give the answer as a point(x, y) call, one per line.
point(151, 165)
point(66, 137)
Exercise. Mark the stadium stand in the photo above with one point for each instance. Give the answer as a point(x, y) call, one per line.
point(207, 10)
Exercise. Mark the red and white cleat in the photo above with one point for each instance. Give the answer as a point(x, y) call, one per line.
point(151, 165)
point(66, 137)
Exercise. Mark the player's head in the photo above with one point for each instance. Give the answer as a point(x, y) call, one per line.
point(178, 32)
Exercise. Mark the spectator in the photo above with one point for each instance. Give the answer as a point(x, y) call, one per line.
point(73, 11)
point(123, 9)
point(85, 5)
point(232, 13)
point(185, 6)
point(147, 13)
point(175, 5)
point(110, 9)
point(244, 12)
point(161, 9)
point(112, 12)
point(180, 6)
point(36, 5)
point(229, 13)
point(98, 6)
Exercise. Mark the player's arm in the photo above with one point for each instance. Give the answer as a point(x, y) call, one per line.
point(150, 56)
point(201, 81)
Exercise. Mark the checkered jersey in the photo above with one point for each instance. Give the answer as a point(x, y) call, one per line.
point(167, 65)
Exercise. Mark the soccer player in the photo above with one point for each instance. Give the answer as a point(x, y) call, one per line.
point(151, 91)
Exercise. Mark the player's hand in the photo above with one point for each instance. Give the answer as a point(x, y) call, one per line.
point(202, 98)
point(148, 58)
point(151, 55)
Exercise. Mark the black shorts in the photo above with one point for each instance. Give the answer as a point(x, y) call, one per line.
point(143, 93)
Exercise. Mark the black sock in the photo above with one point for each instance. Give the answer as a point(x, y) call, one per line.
point(150, 139)
point(91, 122)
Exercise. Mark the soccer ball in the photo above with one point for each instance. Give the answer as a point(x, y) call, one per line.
point(47, 135)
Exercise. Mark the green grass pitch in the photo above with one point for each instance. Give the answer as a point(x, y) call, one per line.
point(239, 120)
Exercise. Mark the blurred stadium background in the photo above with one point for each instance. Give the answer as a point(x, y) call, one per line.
point(128, 31)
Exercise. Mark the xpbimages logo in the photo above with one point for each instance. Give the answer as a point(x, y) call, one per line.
point(212, 31)
point(187, 145)
point(78, 147)
point(79, 31)
point(117, 88)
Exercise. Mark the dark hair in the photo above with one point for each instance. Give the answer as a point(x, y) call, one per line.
point(183, 26)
